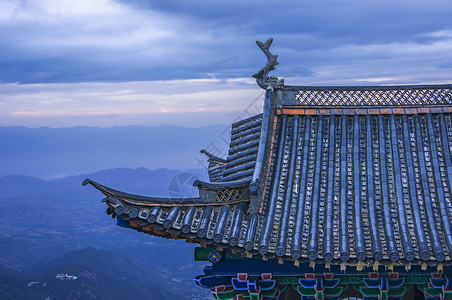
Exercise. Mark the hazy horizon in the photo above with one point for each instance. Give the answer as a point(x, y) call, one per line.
point(51, 153)
point(114, 126)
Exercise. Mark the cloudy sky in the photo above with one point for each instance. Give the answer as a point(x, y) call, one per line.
point(151, 62)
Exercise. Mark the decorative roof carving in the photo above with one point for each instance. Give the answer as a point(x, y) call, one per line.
point(214, 158)
point(262, 78)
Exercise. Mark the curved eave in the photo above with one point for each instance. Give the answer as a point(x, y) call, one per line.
point(215, 159)
point(212, 219)
point(207, 190)
point(212, 225)
point(143, 200)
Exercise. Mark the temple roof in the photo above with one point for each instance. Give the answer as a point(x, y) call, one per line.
point(326, 174)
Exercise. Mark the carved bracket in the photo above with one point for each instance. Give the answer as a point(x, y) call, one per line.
point(262, 78)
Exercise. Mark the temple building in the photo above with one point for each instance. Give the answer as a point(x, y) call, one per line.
point(331, 193)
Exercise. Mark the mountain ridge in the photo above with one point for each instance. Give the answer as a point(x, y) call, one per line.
point(100, 275)
point(55, 217)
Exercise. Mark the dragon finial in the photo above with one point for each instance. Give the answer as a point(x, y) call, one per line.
point(262, 78)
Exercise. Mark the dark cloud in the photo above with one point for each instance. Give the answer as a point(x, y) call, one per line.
point(206, 39)
point(353, 21)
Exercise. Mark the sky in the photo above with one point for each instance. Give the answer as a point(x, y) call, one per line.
point(149, 62)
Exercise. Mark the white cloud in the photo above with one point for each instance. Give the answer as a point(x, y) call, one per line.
point(441, 34)
point(47, 103)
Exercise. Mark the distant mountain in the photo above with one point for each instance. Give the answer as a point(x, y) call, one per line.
point(60, 152)
point(100, 275)
point(57, 216)
point(4, 269)
point(15, 186)
point(40, 218)
point(140, 181)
